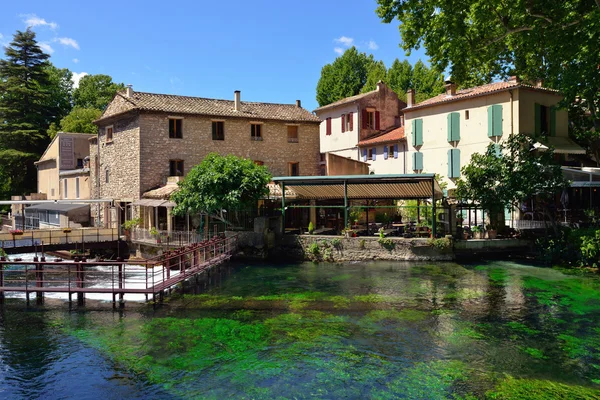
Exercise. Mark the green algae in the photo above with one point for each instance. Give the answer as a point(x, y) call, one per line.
point(522, 328)
point(512, 389)
point(578, 296)
point(533, 352)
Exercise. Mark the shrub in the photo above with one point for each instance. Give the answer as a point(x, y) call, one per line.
point(440, 244)
point(337, 243)
point(361, 244)
point(311, 228)
point(386, 243)
point(313, 249)
point(132, 223)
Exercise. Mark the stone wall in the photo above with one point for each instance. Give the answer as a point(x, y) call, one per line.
point(358, 249)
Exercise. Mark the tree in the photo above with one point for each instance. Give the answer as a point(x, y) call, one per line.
point(508, 173)
point(399, 77)
point(25, 110)
point(80, 120)
point(426, 82)
point(377, 72)
point(479, 40)
point(221, 183)
point(60, 92)
point(95, 91)
point(345, 77)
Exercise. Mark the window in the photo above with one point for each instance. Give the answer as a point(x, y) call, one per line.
point(65, 189)
point(292, 133)
point(545, 120)
point(417, 161)
point(76, 188)
point(417, 132)
point(495, 120)
point(175, 131)
point(106, 176)
point(371, 119)
point(327, 127)
point(258, 162)
point(176, 168)
point(453, 127)
point(454, 163)
point(218, 130)
point(109, 134)
point(80, 163)
point(466, 115)
point(372, 154)
point(347, 121)
point(294, 169)
point(395, 150)
point(255, 132)
point(53, 218)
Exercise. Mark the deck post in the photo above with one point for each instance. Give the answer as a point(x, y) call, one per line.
point(121, 276)
point(433, 219)
point(283, 208)
point(345, 204)
point(2, 260)
point(39, 280)
point(80, 280)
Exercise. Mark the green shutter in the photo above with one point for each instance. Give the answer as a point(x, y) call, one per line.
point(490, 112)
point(450, 165)
point(413, 132)
point(552, 121)
point(414, 161)
point(497, 120)
point(417, 161)
point(538, 119)
point(497, 150)
point(453, 127)
point(418, 132)
point(456, 163)
point(450, 127)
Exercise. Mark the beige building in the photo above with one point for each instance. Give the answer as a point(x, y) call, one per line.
point(145, 140)
point(446, 130)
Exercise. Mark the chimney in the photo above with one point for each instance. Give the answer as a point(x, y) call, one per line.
point(380, 85)
point(539, 83)
point(514, 79)
point(410, 98)
point(450, 87)
point(237, 104)
point(129, 91)
point(298, 104)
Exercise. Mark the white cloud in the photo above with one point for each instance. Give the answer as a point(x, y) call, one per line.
point(68, 42)
point(344, 40)
point(373, 45)
point(46, 47)
point(77, 77)
point(32, 20)
point(338, 50)
point(76, 60)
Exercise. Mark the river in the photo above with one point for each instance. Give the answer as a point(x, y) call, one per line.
point(292, 331)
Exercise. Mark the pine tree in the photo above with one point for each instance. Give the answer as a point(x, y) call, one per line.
point(25, 111)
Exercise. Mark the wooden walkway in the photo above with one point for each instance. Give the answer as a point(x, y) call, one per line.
point(148, 277)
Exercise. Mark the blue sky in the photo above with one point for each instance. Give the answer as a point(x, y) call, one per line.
point(272, 51)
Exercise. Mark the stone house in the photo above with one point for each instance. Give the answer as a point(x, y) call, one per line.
point(146, 141)
point(368, 127)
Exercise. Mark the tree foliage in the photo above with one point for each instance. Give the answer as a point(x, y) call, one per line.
point(26, 109)
point(80, 120)
point(510, 172)
point(377, 72)
point(95, 91)
point(221, 183)
point(343, 78)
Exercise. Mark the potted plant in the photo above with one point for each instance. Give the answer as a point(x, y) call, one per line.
point(476, 232)
point(16, 232)
point(311, 228)
point(67, 230)
point(128, 226)
point(491, 232)
point(154, 233)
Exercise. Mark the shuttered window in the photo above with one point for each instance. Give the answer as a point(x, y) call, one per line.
point(454, 127)
point(417, 161)
point(374, 153)
point(351, 121)
point(385, 152)
point(453, 163)
point(175, 131)
point(417, 132)
point(293, 133)
point(495, 120)
point(395, 151)
point(328, 126)
point(343, 123)
point(364, 154)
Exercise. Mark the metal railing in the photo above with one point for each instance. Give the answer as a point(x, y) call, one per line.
point(37, 237)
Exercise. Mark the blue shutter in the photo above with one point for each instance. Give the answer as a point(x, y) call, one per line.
point(374, 153)
point(365, 155)
point(395, 151)
point(385, 152)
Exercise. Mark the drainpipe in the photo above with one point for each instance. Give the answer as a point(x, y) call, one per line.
point(511, 112)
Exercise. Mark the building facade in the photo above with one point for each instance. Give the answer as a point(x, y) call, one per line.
point(446, 130)
point(145, 138)
point(362, 127)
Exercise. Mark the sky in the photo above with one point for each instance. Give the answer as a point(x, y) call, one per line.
point(272, 51)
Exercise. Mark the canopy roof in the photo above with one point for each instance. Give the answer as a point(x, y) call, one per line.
point(398, 187)
point(60, 207)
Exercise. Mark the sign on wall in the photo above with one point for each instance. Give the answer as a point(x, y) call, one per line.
point(67, 153)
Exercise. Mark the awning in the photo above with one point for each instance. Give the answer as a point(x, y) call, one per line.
point(412, 186)
point(153, 203)
point(60, 207)
point(162, 193)
point(564, 145)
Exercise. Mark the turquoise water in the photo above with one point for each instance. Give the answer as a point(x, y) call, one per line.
point(354, 330)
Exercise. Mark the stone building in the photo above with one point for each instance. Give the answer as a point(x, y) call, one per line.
point(368, 127)
point(145, 140)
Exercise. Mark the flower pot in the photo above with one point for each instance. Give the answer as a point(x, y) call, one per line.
point(492, 234)
point(466, 235)
point(476, 235)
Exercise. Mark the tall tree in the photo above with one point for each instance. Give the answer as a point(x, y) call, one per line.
point(345, 77)
point(95, 91)
point(377, 72)
point(80, 120)
point(427, 82)
point(60, 92)
point(25, 110)
point(399, 77)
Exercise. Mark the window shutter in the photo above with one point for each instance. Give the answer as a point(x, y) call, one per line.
point(490, 112)
point(395, 151)
point(377, 120)
point(413, 131)
point(328, 126)
point(364, 155)
point(364, 119)
point(552, 121)
point(343, 123)
point(420, 161)
point(171, 126)
point(453, 163)
point(538, 119)
point(374, 153)
point(455, 126)
point(414, 161)
point(497, 150)
point(385, 152)
point(497, 119)
point(450, 128)
point(450, 164)
point(417, 161)
point(419, 132)
point(351, 127)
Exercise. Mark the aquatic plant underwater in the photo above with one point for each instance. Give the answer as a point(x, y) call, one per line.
point(366, 330)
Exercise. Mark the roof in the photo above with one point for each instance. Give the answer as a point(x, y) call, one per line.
point(564, 145)
point(78, 171)
point(393, 135)
point(154, 203)
point(396, 186)
point(55, 138)
point(161, 193)
point(346, 100)
point(477, 91)
point(168, 103)
point(60, 207)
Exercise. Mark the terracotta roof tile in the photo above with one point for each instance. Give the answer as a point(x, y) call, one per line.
point(478, 91)
point(391, 136)
point(198, 105)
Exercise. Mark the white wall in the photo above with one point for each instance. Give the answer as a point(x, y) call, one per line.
point(392, 165)
point(340, 143)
